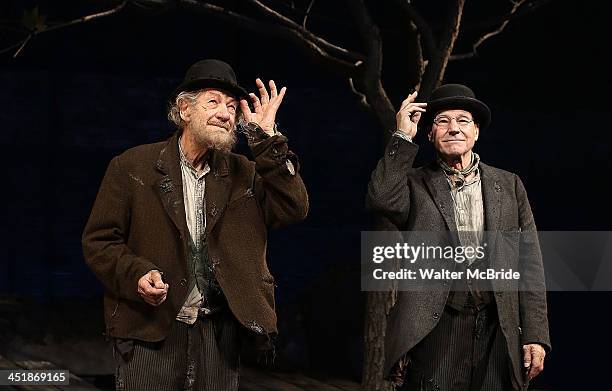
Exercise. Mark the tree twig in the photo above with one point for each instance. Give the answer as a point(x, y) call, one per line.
point(13, 46)
point(307, 14)
point(436, 65)
point(328, 46)
point(298, 37)
point(363, 99)
point(496, 21)
point(427, 37)
point(87, 18)
point(23, 45)
point(473, 52)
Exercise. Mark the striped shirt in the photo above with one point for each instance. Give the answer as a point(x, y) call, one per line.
point(194, 186)
point(469, 212)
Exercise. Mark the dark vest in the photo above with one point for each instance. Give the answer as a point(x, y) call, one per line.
point(470, 294)
point(202, 274)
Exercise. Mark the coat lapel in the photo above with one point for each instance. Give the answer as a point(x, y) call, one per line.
point(492, 197)
point(439, 189)
point(217, 189)
point(491, 192)
point(170, 185)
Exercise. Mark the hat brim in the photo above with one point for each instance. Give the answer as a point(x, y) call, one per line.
point(480, 111)
point(195, 85)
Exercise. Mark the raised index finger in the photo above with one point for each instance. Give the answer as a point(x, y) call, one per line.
point(409, 99)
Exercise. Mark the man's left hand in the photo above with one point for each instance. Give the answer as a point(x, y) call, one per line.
point(533, 359)
point(265, 107)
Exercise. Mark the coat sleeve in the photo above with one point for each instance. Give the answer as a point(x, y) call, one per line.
point(532, 294)
point(105, 236)
point(278, 186)
point(388, 190)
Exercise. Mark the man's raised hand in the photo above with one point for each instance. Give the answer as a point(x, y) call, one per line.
point(265, 106)
point(409, 115)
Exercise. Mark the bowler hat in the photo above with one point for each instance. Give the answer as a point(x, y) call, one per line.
point(457, 96)
point(210, 74)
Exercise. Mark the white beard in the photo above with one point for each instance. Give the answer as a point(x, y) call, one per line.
point(214, 138)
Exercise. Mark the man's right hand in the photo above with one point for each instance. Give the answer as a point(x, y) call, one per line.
point(152, 289)
point(409, 115)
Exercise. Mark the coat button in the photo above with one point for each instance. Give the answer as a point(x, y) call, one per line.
point(183, 282)
point(392, 152)
point(445, 283)
point(435, 315)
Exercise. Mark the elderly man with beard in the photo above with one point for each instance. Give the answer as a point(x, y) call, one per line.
point(178, 236)
point(462, 334)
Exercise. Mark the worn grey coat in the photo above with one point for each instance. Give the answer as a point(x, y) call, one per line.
point(419, 199)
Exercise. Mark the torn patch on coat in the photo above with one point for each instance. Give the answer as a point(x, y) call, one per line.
point(166, 185)
point(255, 327)
point(136, 179)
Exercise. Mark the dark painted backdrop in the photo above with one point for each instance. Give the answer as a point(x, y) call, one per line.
point(77, 97)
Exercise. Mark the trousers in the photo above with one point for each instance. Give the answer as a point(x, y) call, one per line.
point(466, 351)
point(203, 357)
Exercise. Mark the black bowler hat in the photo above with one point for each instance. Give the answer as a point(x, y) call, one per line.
point(453, 97)
point(210, 74)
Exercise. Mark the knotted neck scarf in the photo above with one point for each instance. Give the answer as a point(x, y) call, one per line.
point(457, 177)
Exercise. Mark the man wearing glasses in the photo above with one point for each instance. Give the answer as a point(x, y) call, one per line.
point(467, 334)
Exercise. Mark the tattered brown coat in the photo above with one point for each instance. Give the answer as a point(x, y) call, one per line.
point(138, 224)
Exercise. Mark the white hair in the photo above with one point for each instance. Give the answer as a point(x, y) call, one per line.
point(174, 111)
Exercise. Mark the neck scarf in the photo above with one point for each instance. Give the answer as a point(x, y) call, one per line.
point(457, 177)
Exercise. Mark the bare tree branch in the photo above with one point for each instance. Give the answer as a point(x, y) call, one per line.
point(419, 58)
point(15, 45)
point(275, 14)
point(299, 13)
point(363, 99)
point(516, 5)
point(22, 44)
point(436, 66)
point(296, 36)
point(496, 21)
point(307, 14)
point(87, 18)
point(351, 56)
point(427, 36)
point(369, 78)
point(450, 37)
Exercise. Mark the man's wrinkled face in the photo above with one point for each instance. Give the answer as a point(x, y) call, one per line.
point(211, 121)
point(453, 132)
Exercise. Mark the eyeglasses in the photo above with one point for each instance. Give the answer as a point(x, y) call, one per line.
point(444, 122)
